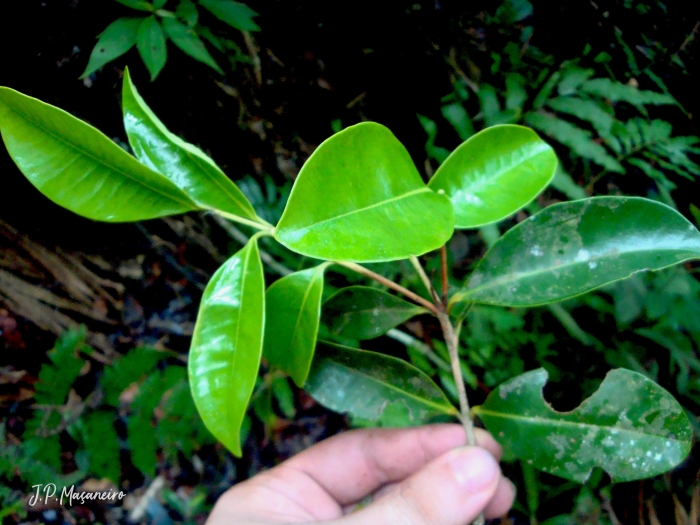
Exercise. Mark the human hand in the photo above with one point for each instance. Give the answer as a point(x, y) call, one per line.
point(418, 476)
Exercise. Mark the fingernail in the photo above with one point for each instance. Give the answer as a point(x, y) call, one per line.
point(474, 468)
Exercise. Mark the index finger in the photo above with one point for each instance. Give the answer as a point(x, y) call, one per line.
point(353, 464)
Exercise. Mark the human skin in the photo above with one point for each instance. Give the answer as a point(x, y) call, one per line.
point(417, 476)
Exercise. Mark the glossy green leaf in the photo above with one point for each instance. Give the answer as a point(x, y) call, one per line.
point(235, 14)
point(360, 198)
point(186, 165)
point(187, 40)
point(293, 309)
point(79, 168)
point(494, 174)
point(360, 312)
point(151, 45)
point(630, 426)
point(227, 345)
point(570, 248)
point(115, 40)
point(374, 388)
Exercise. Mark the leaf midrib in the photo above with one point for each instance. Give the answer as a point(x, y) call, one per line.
point(357, 211)
point(561, 422)
point(526, 275)
point(480, 183)
point(301, 310)
point(397, 389)
point(77, 149)
point(202, 164)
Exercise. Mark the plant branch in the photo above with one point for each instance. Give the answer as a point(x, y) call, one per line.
point(424, 277)
point(419, 346)
point(452, 341)
point(443, 272)
point(453, 349)
point(389, 284)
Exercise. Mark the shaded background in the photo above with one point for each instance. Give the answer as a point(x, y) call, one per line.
point(322, 65)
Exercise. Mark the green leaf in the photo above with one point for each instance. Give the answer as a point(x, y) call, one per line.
point(360, 312)
point(360, 198)
point(235, 14)
point(79, 168)
point(617, 92)
point(292, 311)
point(141, 434)
point(184, 164)
point(188, 13)
point(158, 4)
point(56, 378)
point(577, 139)
point(630, 426)
point(115, 40)
point(459, 119)
point(571, 79)
point(494, 174)
point(141, 438)
point(588, 110)
point(137, 4)
point(695, 211)
point(374, 388)
point(126, 370)
point(102, 445)
point(186, 39)
point(227, 345)
point(151, 45)
point(573, 247)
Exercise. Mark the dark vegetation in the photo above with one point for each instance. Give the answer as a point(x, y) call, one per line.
point(109, 405)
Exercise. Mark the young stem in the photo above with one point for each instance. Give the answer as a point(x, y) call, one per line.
point(452, 342)
point(390, 284)
point(443, 268)
point(424, 277)
point(453, 349)
point(259, 224)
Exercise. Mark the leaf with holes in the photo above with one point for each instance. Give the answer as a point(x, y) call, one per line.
point(630, 426)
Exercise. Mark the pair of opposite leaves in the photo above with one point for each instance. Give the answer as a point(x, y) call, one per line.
point(358, 198)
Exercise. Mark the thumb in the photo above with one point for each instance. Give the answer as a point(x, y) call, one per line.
point(451, 490)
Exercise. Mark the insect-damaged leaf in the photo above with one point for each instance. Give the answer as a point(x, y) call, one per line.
point(374, 389)
point(630, 426)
